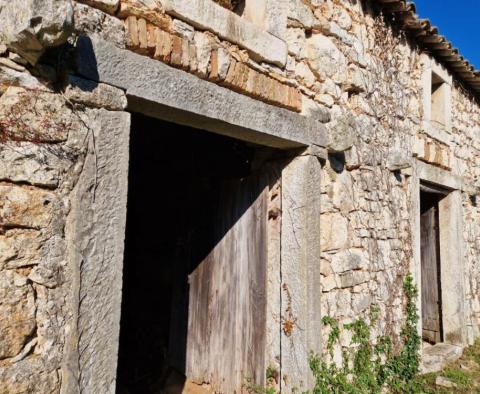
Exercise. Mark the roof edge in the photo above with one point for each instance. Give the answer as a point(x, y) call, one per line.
point(432, 42)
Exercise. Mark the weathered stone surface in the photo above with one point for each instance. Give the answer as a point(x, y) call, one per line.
point(325, 59)
point(11, 64)
point(95, 94)
point(348, 260)
point(342, 133)
point(335, 232)
point(357, 80)
point(206, 15)
point(352, 278)
point(203, 44)
point(110, 6)
point(275, 21)
point(91, 21)
point(45, 275)
point(296, 42)
point(23, 206)
point(95, 237)
point(31, 163)
point(23, 378)
point(17, 58)
point(352, 158)
point(10, 77)
point(302, 14)
point(17, 308)
point(19, 248)
point(36, 115)
point(28, 27)
point(341, 16)
point(183, 29)
point(435, 357)
point(398, 160)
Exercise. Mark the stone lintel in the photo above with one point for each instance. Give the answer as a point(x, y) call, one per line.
point(158, 90)
point(438, 176)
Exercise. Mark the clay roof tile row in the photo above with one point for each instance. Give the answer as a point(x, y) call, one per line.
point(429, 38)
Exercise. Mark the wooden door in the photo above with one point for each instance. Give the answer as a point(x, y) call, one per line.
point(226, 328)
point(431, 302)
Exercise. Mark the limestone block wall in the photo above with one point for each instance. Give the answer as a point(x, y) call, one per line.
point(53, 127)
point(337, 60)
point(466, 149)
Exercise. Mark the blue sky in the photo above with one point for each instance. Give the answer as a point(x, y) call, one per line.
point(458, 21)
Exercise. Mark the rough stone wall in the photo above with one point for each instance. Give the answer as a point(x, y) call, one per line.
point(50, 122)
point(466, 149)
point(343, 62)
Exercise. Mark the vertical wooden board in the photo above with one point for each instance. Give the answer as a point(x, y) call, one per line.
point(430, 276)
point(226, 336)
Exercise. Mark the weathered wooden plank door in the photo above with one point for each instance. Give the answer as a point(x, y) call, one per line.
point(431, 302)
point(227, 307)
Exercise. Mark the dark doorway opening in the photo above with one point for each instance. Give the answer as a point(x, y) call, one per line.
point(194, 269)
point(431, 295)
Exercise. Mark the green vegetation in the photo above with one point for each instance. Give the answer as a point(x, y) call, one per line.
point(371, 366)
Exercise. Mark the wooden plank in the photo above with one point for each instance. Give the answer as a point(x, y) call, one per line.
point(430, 276)
point(227, 309)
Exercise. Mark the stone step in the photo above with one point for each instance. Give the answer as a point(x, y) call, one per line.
point(435, 357)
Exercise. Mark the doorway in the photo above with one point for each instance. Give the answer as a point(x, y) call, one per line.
point(431, 295)
point(193, 303)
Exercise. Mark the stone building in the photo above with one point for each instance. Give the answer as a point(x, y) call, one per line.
point(188, 186)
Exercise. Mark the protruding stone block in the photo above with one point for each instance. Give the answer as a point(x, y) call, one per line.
point(28, 27)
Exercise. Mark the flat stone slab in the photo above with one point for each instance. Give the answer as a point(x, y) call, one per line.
point(435, 357)
point(158, 90)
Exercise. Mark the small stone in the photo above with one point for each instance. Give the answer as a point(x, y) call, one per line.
point(163, 48)
point(342, 133)
point(109, 6)
point(325, 59)
point(25, 352)
point(204, 49)
point(45, 276)
point(444, 382)
point(313, 109)
point(296, 42)
point(95, 94)
point(352, 158)
point(94, 22)
point(183, 29)
point(31, 163)
point(352, 278)
point(17, 58)
point(38, 115)
point(27, 206)
point(348, 260)
point(328, 283)
point(301, 14)
point(356, 80)
point(335, 232)
point(305, 74)
point(325, 99)
point(11, 64)
point(31, 26)
point(398, 160)
point(342, 17)
point(17, 308)
point(19, 248)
